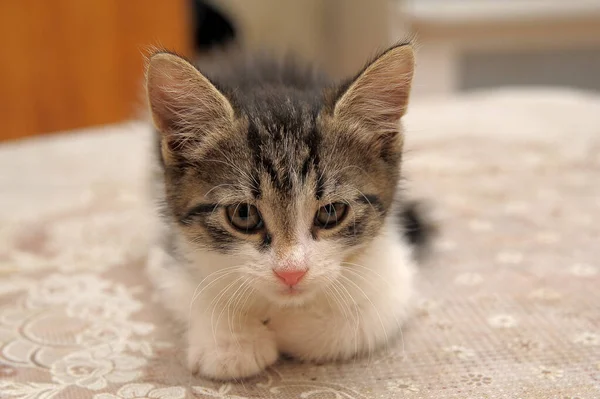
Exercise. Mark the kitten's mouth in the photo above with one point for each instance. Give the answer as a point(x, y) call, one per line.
point(292, 295)
point(291, 291)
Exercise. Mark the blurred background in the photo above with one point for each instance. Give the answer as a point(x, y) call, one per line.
point(67, 64)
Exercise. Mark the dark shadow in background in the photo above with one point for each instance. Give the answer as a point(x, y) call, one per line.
point(212, 28)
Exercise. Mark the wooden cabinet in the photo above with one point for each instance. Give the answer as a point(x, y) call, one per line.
point(68, 64)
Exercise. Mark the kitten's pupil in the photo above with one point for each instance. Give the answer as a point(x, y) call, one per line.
point(244, 212)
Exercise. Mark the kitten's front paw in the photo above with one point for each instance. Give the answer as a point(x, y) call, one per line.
point(232, 357)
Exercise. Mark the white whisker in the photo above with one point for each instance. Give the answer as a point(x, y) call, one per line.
point(356, 316)
point(371, 302)
point(215, 303)
point(356, 273)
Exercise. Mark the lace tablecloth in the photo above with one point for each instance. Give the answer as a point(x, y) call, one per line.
point(510, 299)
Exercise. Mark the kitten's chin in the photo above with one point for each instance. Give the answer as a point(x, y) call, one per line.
point(289, 297)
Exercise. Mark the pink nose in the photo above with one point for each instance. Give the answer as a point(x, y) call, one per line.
point(290, 278)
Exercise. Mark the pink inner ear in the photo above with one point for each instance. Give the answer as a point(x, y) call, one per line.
point(174, 88)
point(379, 96)
point(186, 107)
point(163, 92)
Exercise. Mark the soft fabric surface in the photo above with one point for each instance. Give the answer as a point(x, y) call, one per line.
point(510, 299)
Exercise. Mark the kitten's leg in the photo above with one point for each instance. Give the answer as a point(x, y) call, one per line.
point(230, 351)
point(362, 311)
point(224, 342)
point(336, 333)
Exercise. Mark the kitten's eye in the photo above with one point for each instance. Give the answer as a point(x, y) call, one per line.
point(330, 215)
point(244, 217)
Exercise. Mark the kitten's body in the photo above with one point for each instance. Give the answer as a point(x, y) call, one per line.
point(283, 143)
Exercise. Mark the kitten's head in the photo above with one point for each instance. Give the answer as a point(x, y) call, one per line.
point(289, 181)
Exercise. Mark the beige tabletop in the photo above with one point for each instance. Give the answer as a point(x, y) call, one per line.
point(510, 298)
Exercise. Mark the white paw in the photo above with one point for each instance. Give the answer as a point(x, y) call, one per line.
point(233, 357)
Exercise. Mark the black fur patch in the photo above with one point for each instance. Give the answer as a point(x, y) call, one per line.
point(266, 242)
point(254, 142)
point(198, 210)
point(305, 168)
point(221, 239)
point(320, 187)
point(371, 200)
point(269, 168)
point(354, 230)
point(414, 225)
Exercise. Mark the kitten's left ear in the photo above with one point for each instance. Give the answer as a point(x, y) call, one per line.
point(378, 96)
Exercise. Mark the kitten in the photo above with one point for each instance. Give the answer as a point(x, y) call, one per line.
point(280, 201)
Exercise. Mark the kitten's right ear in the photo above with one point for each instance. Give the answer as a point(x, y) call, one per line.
point(186, 107)
point(378, 96)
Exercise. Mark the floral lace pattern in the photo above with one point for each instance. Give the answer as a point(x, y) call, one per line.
point(510, 304)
